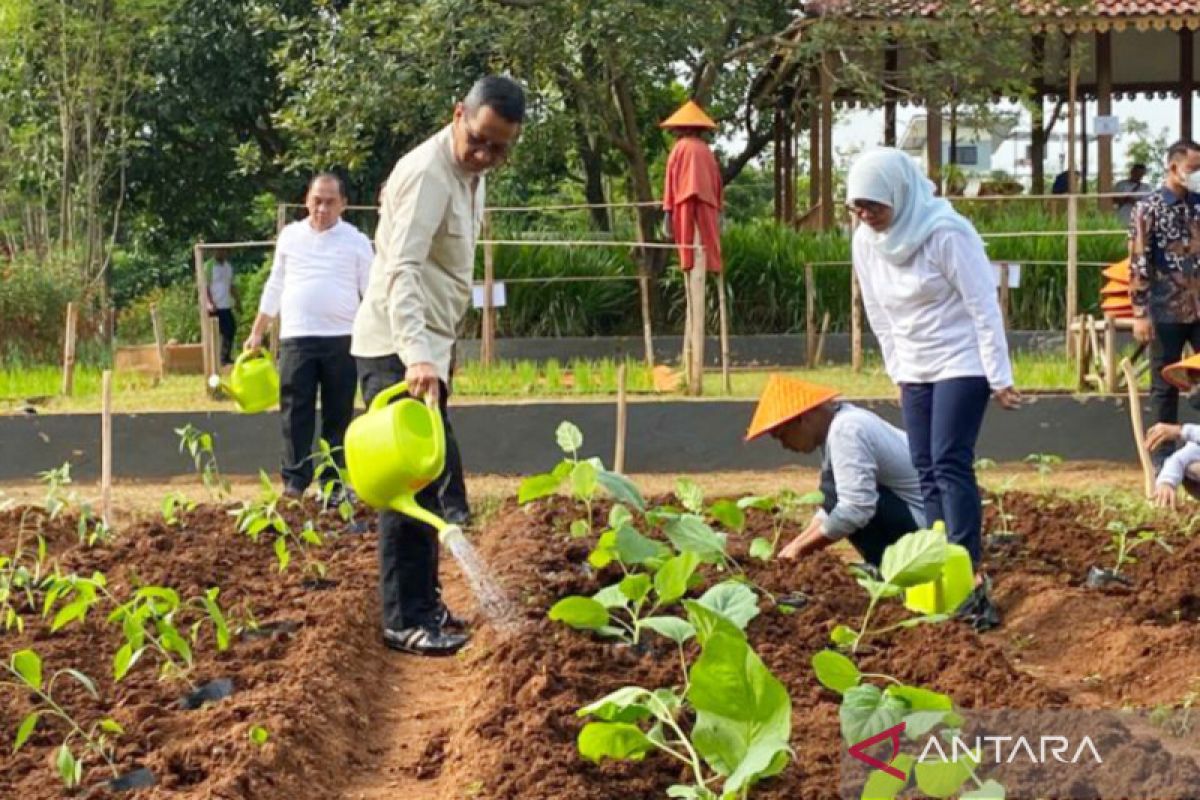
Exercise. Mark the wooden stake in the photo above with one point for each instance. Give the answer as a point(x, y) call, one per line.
point(214, 339)
point(68, 378)
point(1080, 351)
point(160, 344)
point(1095, 354)
point(856, 353)
point(1004, 291)
point(1072, 260)
point(1110, 356)
point(810, 315)
point(726, 382)
point(488, 328)
point(821, 340)
point(106, 447)
point(622, 422)
point(1135, 417)
point(202, 309)
point(696, 280)
point(647, 333)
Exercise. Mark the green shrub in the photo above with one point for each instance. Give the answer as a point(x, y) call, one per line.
point(33, 306)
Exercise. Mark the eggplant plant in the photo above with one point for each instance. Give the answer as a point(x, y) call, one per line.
point(872, 703)
point(27, 679)
point(912, 560)
point(199, 445)
point(785, 507)
point(585, 476)
point(1124, 539)
point(740, 716)
point(262, 514)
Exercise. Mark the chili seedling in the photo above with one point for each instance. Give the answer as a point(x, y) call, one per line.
point(1044, 463)
point(1124, 540)
point(262, 514)
point(20, 575)
point(199, 445)
point(332, 484)
point(174, 506)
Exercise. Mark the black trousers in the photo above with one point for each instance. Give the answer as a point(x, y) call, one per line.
point(309, 364)
point(1167, 348)
point(892, 519)
point(228, 328)
point(409, 590)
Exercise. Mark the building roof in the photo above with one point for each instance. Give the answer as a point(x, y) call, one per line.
point(1093, 15)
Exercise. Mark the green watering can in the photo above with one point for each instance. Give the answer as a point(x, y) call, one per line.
point(394, 451)
point(951, 588)
point(253, 383)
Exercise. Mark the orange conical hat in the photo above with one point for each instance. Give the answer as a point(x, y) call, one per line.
point(783, 400)
point(1118, 271)
point(689, 115)
point(1184, 373)
point(1114, 303)
point(1115, 289)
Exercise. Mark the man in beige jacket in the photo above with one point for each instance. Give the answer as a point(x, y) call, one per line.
point(419, 290)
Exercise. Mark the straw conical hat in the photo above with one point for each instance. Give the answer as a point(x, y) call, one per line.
point(1115, 289)
point(689, 115)
point(783, 400)
point(1184, 373)
point(1118, 271)
point(1114, 303)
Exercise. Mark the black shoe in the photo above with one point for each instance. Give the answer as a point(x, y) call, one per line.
point(293, 492)
point(978, 610)
point(457, 516)
point(424, 641)
point(449, 622)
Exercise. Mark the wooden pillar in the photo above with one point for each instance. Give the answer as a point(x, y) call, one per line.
point(160, 343)
point(891, 65)
point(789, 170)
point(106, 447)
point(1104, 149)
point(1072, 299)
point(827, 216)
point(777, 136)
point(933, 145)
point(70, 335)
point(1037, 126)
point(1187, 69)
point(1072, 112)
point(1083, 146)
point(814, 156)
point(201, 308)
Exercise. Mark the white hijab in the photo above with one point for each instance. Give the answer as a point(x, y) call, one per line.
point(890, 177)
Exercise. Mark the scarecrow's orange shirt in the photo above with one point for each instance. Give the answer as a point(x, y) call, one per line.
point(693, 195)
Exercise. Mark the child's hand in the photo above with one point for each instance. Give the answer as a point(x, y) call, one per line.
point(1161, 433)
point(1164, 496)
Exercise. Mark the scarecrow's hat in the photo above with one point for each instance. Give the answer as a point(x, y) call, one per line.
point(689, 115)
point(783, 400)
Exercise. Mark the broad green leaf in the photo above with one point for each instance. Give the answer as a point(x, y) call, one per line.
point(627, 704)
point(584, 480)
point(579, 528)
point(814, 498)
point(676, 629)
point(690, 495)
point(611, 597)
point(166, 599)
point(835, 671)
point(83, 680)
point(732, 600)
point(671, 580)
point(25, 730)
point(988, 790)
point(681, 792)
point(173, 642)
point(843, 636)
point(762, 549)
point(617, 740)
point(619, 515)
point(919, 699)
point(581, 613)
point(634, 548)
point(914, 558)
point(109, 725)
point(760, 502)
point(310, 536)
point(708, 622)
point(938, 778)
point(879, 589)
point(691, 534)
point(259, 735)
point(282, 554)
point(919, 723)
point(535, 487)
point(28, 665)
point(635, 587)
point(621, 488)
point(74, 610)
point(606, 550)
point(866, 711)
point(65, 762)
point(569, 438)
point(123, 661)
point(882, 786)
point(728, 514)
point(220, 625)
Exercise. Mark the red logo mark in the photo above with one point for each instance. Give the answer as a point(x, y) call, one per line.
point(890, 735)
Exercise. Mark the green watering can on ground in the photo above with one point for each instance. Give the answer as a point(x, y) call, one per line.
point(394, 451)
point(253, 383)
point(948, 592)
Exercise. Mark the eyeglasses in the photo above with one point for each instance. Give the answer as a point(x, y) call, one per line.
point(483, 144)
point(866, 207)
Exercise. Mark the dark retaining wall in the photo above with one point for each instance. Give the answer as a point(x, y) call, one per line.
point(664, 436)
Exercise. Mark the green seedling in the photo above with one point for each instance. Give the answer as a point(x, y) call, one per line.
point(174, 506)
point(199, 445)
point(1176, 718)
point(914, 559)
point(586, 478)
point(1044, 463)
point(26, 670)
point(868, 709)
point(1124, 540)
point(999, 497)
point(740, 714)
point(262, 514)
point(21, 573)
point(785, 507)
point(58, 497)
point(330, 477)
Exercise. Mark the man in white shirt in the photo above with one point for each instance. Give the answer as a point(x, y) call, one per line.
point(221, 299)
point(317, 280)
point(420, 288)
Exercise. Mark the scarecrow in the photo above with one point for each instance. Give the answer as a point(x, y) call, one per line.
point(692, 200)
point(1183, 464)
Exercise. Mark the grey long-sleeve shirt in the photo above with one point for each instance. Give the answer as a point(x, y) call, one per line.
point(1175, 468)
point(865, 453)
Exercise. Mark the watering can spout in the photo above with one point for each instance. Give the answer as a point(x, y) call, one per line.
point(215, 383)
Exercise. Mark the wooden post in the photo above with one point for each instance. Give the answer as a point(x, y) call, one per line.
point(622, 422)
point(1187, 58)
point(1135, 417)
point(1080, 351)
point(68, 378)
point(202, 309)
point(160, 343)
point(1037, 133)
point(1004, 293)
point(1104, 144)
point(814, 151)
point(106, 447)
point(821, 340)
point(810, 316)
point(1094, 353)
point(214, 338)
point(695, 282)
point(856, 353)
point(1072, 115)
point(489, 281)
point(1110, 356)
point(1072, 299)
point(644, 291)
point(827, 216)
point(726, 381)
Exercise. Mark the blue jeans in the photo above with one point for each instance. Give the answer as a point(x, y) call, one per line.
point(942, 420)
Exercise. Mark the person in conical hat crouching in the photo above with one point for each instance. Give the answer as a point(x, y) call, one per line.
point(1182, 467)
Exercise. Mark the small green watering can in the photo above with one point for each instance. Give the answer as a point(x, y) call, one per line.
point(394, 451)
point(253, 383)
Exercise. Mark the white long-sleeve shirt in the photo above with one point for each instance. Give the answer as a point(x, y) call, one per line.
point(1174, 469)
point(936, 316)
point(421, 283)
point(866, 452)
point(317, 279)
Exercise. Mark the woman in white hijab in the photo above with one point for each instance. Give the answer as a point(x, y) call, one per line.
point(930, 295)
